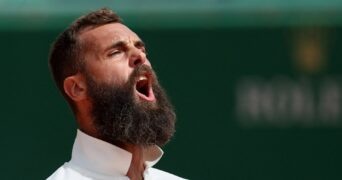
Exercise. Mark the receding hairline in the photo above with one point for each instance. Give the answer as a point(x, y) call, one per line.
point(83, 42)
point(83, 38)
point(91, 28)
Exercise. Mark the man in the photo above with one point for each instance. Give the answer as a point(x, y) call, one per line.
point(123, 115)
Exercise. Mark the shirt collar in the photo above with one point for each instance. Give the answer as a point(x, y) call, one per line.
point(104, 158)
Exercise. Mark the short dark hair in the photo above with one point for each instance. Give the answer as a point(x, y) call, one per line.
point(66, 57)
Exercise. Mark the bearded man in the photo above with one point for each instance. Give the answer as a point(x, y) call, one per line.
point(123, 115)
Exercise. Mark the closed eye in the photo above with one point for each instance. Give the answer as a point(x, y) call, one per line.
point(144, 50)
point(114, 53)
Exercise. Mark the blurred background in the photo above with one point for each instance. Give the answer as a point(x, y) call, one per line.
point(256, 84)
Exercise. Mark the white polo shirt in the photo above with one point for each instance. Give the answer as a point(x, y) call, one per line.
point(93, 159)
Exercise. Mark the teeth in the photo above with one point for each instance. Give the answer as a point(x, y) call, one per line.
point(142, 78)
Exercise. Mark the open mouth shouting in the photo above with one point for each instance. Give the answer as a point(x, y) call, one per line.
point(143, 87)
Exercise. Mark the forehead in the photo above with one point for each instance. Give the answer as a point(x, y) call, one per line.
point(105, 35)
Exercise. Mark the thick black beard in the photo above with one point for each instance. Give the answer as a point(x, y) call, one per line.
point(120, 117)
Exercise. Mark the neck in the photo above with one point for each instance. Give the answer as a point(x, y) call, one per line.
point(136, 170)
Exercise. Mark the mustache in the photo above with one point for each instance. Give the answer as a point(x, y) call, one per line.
point(143, 69)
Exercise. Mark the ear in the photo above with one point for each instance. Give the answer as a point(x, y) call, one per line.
point(75, 87)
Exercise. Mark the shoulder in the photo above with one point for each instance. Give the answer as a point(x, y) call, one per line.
point(156, 174)
point(71, 172)
point(65, 172)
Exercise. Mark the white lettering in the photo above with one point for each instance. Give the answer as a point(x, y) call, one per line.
point(282, 102)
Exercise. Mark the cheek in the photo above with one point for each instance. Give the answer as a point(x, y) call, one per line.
point(109, 73)
point(118, 74)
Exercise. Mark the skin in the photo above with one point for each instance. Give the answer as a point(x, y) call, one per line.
point(112, 53)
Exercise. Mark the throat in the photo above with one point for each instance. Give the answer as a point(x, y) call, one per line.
point(137, 167)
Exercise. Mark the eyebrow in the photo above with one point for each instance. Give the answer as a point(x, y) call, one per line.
point(121, 44)
point(139, 44)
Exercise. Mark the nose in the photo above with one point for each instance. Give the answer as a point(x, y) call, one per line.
point(137, 57)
